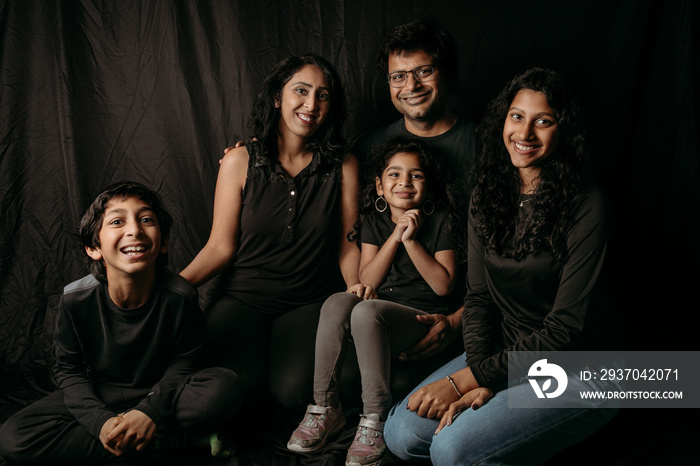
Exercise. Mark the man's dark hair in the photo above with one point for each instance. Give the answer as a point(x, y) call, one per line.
point(421, 35)
point(91, 223)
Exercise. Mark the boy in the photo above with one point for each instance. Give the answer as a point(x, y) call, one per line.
point(127, 338)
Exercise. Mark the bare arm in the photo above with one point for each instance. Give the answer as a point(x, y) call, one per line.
point(375, 262)
point(438, 270)
point(434, 399)
point(223, 239)
point(443, 331)
point(349, 252)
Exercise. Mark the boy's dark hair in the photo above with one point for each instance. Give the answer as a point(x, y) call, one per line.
point(426, 36)
point(91, 223)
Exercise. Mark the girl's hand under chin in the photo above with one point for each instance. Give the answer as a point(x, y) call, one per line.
point(413, 221)
point(400, 228)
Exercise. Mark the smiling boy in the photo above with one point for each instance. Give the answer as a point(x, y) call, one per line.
point(126, 344)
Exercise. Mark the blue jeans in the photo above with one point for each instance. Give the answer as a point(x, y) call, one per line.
point(495, 433)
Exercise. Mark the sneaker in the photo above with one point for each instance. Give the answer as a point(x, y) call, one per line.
point(319, 423)
point(219, 444)
point(368, 448)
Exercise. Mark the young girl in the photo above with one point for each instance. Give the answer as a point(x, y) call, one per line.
point(537, 239)
point(408, 257)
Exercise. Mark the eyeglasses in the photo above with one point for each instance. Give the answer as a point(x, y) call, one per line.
point(422, 74)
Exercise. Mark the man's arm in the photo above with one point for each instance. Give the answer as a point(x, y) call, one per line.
point(442, 333)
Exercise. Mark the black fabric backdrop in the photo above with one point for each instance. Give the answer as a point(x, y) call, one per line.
point(93, 92)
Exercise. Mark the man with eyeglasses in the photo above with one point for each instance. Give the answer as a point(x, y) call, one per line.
point(420, 65)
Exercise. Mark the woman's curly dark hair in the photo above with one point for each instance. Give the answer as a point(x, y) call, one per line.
point(495, 200)
point(328, 139)
point(441, 188)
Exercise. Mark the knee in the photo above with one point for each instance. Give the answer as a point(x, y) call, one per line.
point(10, 449)
point(226, 391)
point(341, 299)
point(395, 440)
point(338, 306)
point(401, 439)
point(366, 313)
point(445, 452)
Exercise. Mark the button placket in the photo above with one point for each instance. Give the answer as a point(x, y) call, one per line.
point(292, 196)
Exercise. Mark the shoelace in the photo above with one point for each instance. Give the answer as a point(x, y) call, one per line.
point(366, 438)
point(312, 420)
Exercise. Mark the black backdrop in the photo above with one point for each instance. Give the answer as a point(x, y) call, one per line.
point(92, 92)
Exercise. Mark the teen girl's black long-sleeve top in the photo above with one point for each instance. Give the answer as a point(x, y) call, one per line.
point(536, 303)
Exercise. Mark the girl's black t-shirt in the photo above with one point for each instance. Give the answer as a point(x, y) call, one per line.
point(403, 283)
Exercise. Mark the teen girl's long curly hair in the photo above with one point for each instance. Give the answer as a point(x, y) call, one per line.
point(495, 199)
point(441, 187)
point(328, 139)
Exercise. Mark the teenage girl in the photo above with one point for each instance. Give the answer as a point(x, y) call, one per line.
point(537, 231)
point(408, 263)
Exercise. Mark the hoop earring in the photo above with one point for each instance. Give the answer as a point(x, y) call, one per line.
point(376, 205)
point(428, 207)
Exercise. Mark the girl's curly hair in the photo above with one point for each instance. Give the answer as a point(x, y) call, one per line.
point(441, 187)
point(328, 139)
point(495, 199)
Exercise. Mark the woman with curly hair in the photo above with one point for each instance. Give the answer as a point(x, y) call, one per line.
point(283, 206)
point(537, 238)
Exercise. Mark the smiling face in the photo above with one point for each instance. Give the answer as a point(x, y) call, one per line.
point(418, 101)
point(130, 240)
point(304, 103)
point(530, 133)
point(403, 183)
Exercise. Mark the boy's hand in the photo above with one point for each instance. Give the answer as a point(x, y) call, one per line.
point(133, 430)
point(107, 428)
